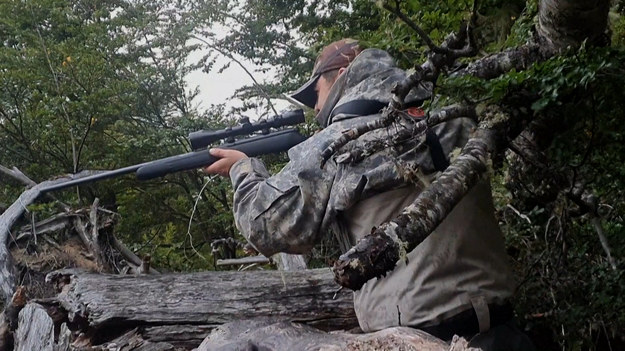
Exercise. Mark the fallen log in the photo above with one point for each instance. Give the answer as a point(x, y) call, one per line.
point(181, 309)
point(281, 335)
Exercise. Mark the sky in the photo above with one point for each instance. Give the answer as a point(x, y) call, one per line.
point(217, 88)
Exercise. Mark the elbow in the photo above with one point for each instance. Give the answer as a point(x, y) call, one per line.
point(259, 236)
point(269, 240)
point(262, 244)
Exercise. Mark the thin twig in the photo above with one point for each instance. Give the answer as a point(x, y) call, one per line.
point(191, 219)
point(452, 54)
point(426, 38)
point(231, 57)
point(596, 223)
point(518, 213)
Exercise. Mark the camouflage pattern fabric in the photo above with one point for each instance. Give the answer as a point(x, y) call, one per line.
point(288, 212)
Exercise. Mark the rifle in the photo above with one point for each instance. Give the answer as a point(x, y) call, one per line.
point(266, 142)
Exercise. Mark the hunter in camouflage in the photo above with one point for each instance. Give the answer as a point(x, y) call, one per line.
point(456, 282)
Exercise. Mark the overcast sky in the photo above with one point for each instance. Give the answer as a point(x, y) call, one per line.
point(217, 88)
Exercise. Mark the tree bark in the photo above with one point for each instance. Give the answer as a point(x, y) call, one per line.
point(35, 331)
point(565, 24)
point(271, 335)
point(181, 309)
point(7, 219)
point(270, 310)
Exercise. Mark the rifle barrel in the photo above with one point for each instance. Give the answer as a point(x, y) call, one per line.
point(94, 178)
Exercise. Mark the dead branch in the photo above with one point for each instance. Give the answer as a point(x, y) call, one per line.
point(389, 116)
point(128, 255)
point(95, 234)
point(377, 253)
point(408, 130)
point(16, 174)
point(495, 65)
point(49, 225)
point(260, 259)
point(24, 179)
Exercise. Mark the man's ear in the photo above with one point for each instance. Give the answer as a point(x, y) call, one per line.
point(341, 70)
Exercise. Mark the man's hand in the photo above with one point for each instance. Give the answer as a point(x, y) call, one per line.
point(226, 159)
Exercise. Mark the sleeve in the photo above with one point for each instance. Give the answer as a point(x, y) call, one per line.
point(280, 213)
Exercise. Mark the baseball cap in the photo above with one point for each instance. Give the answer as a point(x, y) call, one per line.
point(334, 56)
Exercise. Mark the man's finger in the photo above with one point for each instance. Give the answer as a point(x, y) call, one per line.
point(218, 152)
point(225, 159)
point(220, 167)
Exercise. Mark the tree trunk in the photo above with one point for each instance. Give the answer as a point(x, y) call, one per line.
point(569, 23)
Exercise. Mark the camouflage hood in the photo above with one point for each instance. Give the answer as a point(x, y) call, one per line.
point(371, 76)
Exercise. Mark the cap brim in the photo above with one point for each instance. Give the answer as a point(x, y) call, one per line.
point(306, 94)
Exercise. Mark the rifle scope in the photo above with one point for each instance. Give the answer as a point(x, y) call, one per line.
point(201, 139)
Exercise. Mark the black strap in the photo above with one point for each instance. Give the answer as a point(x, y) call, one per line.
point(359, 108)
point(466, 324)
point(436, 151)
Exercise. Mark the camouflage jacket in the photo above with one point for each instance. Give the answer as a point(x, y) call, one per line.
point(289, 211)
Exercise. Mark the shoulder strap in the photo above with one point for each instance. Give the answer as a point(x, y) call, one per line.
point(436, 151)
point(359, 108)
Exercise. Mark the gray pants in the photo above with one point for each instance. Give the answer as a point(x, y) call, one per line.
point(504, 337)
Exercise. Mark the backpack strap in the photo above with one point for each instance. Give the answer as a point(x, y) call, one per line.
point(436, 151)
point(359, 108)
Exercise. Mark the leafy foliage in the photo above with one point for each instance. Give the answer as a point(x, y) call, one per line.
point(101, 84)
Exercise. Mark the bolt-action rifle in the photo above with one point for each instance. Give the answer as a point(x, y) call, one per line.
point(264, 141)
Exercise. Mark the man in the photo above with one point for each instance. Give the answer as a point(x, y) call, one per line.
point(456, 282)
